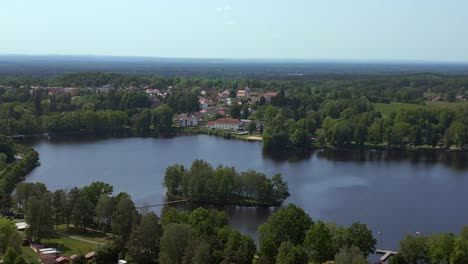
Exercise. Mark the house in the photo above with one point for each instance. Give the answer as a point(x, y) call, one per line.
point(21, 226)
point(203, 104)
point(58, 91)
point(36, 246)
point(268, 96)
point(90, 255)
point(225, 124)
point(152, 92)
point(48, 259)
point(62, 260)
point(185, 120)
point(242, 94)
point(105, 88)
point(224, 94)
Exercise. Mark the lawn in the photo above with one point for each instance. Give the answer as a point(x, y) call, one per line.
point(449, 105)
point(69, 246)
point(92, 235)
point(386, 109)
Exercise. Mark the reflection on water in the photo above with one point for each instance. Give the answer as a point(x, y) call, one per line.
point(393, 192)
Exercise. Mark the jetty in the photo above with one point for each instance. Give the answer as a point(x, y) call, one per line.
point(161, 204)
point(386, 255)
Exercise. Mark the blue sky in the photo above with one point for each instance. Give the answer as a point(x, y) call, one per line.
point(305, 29)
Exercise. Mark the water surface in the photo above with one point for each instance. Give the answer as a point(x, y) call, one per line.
point(392, 192)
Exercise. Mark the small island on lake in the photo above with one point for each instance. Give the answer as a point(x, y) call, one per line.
point(202, 183)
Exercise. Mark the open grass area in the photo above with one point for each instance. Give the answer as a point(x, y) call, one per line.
point(89, 234)
point(386, 109)
point(69, 246)
point(449, 105)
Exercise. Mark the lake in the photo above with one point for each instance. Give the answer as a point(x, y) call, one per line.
point(393, 192)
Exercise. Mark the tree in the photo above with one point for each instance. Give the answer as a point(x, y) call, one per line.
point(235, 111)
point(342, 132)
point(143, 246)
point(360, 236)
point(20, 260)
point(319, 243)
point(174, 241)
point(350, 255)
point(108, 253)
point(289, 223)
point(288, 253)
point(83, 212)
point(7, 230)
point(39, 217)
point(173, 179)
point(460, 250)
point(59, 203)
point(124, 217)
point(441, 247)
point(415, 249)
point(162, 117)
point(252, 127)
point(360, 134)
point(7, 149)
point(10, 256)
point(238, 248)
point(94, 191)
point(104, 210)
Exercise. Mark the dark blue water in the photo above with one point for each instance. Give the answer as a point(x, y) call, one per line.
point(393, 192)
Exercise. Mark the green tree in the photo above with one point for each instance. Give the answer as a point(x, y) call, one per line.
point(319, 243)
point(10, 256)
point(143, 246)
point(162, 117)
point(104, 210)
point(441, 247)
point(360, 236)
point(82, 213)
point(39, 217)
point(124, 217)
point(94, 191)
point(415, 249)
point(289, 223)
point(7, 231)
point(174, 241)
point(350, 255)
point(173, 179)
point(288, 253)
point(59, 203)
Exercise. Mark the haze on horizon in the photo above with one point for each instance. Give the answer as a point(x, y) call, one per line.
point(301, 29)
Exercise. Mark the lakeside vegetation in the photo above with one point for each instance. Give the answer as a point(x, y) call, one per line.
point(224, 185)
point(306, 112)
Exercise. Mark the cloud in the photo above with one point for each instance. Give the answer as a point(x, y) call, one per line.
point(230, 22)
point(226, 8)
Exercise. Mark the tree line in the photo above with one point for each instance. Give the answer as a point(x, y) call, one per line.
point(224, 185)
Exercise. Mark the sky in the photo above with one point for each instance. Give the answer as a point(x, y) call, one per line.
point(433, 30)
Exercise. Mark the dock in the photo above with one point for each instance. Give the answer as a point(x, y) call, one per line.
point(386, 255)
point(161, 204)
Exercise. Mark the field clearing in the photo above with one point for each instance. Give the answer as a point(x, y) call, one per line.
point(386, 109)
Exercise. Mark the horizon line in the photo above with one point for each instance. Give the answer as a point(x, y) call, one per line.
point(278, 60)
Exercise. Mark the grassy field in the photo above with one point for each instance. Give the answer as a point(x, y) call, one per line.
point(69, 246)
point(386, 109)
point(29, 255)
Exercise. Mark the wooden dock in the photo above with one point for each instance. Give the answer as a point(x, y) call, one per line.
point(161, 204)
point(386, 255)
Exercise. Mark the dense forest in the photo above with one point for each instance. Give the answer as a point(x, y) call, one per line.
point(223, 185)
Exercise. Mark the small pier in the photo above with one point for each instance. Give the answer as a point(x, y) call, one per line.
point(161, 204)
point(386, 254)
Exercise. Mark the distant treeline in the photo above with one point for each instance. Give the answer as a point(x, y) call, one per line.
point(223, 185)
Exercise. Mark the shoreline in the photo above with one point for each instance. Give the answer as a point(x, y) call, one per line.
point(227, 135)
